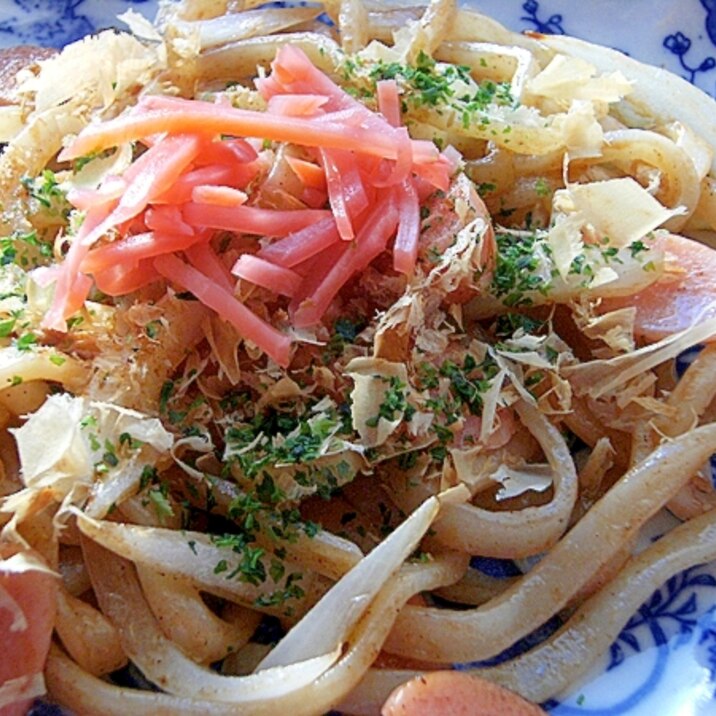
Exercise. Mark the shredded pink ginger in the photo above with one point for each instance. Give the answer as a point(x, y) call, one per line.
point(156, 221)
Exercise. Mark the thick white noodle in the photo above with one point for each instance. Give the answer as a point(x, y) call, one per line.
point(449, 636)
point(546, 670)
point(518, 533)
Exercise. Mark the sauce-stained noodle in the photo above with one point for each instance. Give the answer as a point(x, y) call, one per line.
point(298, 316)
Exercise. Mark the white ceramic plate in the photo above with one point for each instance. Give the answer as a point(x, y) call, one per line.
point(664, 661)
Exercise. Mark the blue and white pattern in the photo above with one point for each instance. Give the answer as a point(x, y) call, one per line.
point(679, 35)
point(664, 661)
point(680, 45)
point(683, 39)
point(55, 23)
point(551, 25)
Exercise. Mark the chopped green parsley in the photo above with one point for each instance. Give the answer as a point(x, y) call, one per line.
point(517, 268)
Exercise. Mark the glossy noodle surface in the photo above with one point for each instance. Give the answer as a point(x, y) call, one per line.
point(304, 319)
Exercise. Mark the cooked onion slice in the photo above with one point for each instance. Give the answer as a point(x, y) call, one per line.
point(241, 25)
point(40, 364)
point(333, 618)
point(188, 554)
point(496, 62)
point(240, 58)
point(678, 181)
point(599, 377)
point(324, 553)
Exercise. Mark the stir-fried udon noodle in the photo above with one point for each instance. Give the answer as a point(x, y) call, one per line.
point(302, 313)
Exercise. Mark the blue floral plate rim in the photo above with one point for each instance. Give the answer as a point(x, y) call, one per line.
point(664, 660)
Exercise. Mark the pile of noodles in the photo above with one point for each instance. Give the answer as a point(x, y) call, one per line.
point(433, 417)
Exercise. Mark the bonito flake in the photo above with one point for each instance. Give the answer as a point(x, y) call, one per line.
point(92, 449)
